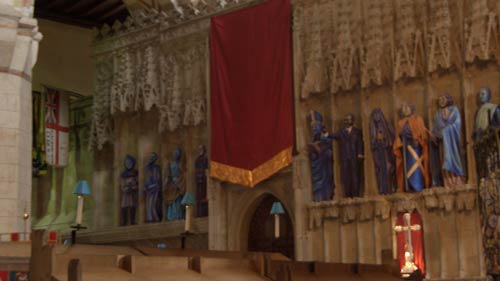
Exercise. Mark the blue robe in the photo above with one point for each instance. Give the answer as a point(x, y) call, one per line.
point(320, 155)
point(447, 156)
point(175, 191)
point(152, 188)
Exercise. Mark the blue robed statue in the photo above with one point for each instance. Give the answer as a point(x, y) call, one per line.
point(487, 114)
point(174, 188)
point(446, 153)
point(321, 159)
point(129, 186)
point(152, 189)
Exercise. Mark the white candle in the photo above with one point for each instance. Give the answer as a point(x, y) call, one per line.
point(187, 226)
point(79, 210)
point(276, 226)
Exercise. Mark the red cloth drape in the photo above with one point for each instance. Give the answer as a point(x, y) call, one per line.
point(251, 93)
point(417, 239)
point(4, 275)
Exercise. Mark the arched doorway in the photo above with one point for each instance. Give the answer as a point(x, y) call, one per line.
point(261, 230)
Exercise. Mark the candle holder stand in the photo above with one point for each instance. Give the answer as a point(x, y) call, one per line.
point(184, 235)
point(73, 232)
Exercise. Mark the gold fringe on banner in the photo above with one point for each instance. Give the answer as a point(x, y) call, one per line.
point(251, 178)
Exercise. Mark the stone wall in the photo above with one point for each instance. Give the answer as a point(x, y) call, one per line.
point(72, 70)
point(18, 52)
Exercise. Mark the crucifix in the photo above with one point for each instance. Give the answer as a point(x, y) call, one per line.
point(409, 266)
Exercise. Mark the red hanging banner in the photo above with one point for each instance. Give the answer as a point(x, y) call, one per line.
point(251, 93)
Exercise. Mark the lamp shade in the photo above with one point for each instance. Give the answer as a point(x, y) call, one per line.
point(277, 209)
point(82, 188)
point(188, 199)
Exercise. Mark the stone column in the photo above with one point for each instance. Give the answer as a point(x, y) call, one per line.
point(19, 39)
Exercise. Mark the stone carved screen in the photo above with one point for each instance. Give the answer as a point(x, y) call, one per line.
point(410, 51)
point(156, 70)
point(344, 45)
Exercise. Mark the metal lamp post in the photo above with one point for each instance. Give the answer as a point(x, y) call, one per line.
point(81, 190)
point(188, 202)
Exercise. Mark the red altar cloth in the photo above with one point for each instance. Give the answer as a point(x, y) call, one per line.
point(251, 93)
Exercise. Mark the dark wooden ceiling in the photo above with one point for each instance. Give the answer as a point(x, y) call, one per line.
point(84, 13)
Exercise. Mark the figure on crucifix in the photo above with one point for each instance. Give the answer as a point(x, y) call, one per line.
point(446, 152)
point(381, 141)
point(351, 150)
point(411, 151)
point(321, 157)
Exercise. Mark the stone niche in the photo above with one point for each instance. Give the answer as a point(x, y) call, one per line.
point(231, 208)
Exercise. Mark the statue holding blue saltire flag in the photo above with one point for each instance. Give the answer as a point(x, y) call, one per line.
point(411, 151)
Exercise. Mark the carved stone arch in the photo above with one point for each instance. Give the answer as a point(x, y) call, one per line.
point(245, 207)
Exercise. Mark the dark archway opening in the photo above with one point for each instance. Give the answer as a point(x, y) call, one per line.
point(261, 230)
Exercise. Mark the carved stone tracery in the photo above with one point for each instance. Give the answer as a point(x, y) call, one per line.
point(481, 32)
point(346, 41)
point(365, 209)
point(149, 64)
point(408, 47)
point(376, 47)
point(440, 39)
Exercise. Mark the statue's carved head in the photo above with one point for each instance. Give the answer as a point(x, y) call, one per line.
point(348, 120)
point(315, 120)
point(202, 150)
point(152, 158)
point(445, 100)
point(407, 110)
point(129, 162)
point(484, 95)
point(177, 154)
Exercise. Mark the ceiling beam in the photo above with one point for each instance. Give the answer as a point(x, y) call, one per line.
point(81, 4)
point(67, 19)
point(54, 3)
point(104, 5)
point(112, 12)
